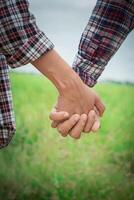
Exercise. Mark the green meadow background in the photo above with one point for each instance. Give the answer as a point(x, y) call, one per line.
point(41, 165)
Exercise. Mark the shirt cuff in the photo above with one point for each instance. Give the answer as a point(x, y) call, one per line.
point(32, 49)
point(6, 135)
point(88, 71)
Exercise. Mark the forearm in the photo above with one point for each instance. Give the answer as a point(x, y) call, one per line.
point(74, 95)
point(57, 71)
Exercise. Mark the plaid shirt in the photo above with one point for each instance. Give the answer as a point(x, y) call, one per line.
point(107, 28)
point(21, 42)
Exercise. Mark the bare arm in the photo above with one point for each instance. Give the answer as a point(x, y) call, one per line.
point(74, 96)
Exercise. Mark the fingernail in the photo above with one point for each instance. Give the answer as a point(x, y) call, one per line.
point(76, 118)
point(65, 114)
point(84, 117)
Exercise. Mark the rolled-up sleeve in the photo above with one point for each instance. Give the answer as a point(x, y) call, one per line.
point(21, 41)
point(108, 26)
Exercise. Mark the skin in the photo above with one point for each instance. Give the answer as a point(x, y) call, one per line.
point(74, 96)
point(74, 125)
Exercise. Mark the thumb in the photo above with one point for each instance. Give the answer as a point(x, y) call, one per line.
point(100, 106)
point(58, 116)
point(53, 111)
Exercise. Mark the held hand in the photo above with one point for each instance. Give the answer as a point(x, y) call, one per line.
point(79, 105)
point(79, 99)
point(75, 124)
point(74, 96)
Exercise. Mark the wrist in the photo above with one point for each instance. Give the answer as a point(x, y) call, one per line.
point(72, 82)
point(57, 71)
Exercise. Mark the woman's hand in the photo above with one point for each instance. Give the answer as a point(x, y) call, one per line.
point(84, 117)
point(75, 124)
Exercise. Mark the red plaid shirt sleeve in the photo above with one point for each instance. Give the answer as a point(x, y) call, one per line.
point(7, 119)
point(21, 42)
point(108, 26)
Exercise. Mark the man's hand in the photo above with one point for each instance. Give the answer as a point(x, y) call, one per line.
point(79, 99)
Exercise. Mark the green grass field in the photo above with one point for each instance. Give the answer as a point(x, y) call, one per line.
point(41, 165)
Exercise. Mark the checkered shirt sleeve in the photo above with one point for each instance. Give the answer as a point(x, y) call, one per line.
point(21, 42)
point(108, 26)
point(7, 119)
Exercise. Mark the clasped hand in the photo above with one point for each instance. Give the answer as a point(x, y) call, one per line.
point(78, 109)
point(81, 105)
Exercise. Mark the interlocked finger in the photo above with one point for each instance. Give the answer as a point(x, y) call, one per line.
point(90, 121)
point(78, 128)
point(66, 126)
